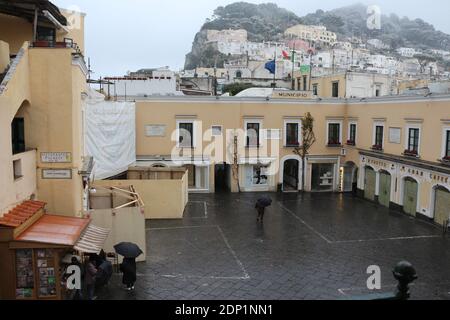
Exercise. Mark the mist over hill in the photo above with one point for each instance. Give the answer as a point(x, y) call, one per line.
point(267, 22)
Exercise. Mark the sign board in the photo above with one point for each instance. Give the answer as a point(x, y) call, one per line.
point(281, 94)
point(56, 157)
point(58, 174)
point(155, 130)
point(395, 135)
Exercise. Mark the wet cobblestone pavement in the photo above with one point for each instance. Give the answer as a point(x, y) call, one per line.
point(315, 246)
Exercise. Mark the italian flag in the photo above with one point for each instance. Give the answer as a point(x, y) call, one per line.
point(287, 56)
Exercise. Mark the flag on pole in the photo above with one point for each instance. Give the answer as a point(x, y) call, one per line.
point(286, 55)
point(271, 66)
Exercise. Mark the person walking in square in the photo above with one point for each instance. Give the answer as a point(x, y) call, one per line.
point(128, 268)
point(261, 206)
point(89, 278)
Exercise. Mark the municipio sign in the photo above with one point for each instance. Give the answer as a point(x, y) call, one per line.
point(281, 94)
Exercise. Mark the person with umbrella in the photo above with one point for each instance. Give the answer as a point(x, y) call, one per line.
point(130, 252)
point(261, 206)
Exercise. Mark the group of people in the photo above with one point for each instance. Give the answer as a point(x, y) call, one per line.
point(96, 273)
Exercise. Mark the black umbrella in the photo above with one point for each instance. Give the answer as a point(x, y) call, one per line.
point(264, 202)
point(128, 249)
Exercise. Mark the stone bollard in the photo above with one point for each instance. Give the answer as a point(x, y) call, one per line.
point(405, 274)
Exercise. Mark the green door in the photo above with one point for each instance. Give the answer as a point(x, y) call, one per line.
point(369, 185)
point(442, 206)
point(410, 197)
point(385, 189)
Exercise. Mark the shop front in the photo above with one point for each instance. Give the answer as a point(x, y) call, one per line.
point(33, 248)
point(324, 174)
point(257, 175)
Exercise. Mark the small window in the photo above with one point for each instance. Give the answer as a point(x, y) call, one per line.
point(46, 34)
point(17, 167)
point(379, 136)
point(447, 145)
point(253, 134)
point(239, 74)
point(292, 135)
point(334, 137)
point(186, 134)
point(335, 89)
point(352, 137)
point(413, 140)
point(315, 89)
point(216, 130)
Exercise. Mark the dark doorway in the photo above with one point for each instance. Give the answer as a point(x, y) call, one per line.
point(222, 177)
point(291, 175)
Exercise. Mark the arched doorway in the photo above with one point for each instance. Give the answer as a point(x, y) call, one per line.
point(410, 193)
point(291, 174)
point(441, 204)
point(384, 194)
point(370, 178)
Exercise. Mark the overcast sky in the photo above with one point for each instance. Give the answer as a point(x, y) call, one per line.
point(124, 35)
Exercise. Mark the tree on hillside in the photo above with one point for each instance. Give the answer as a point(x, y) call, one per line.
point(424, 60)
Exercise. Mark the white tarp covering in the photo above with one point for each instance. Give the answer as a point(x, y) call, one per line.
point(110, 135)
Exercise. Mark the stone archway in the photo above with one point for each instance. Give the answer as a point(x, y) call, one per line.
point(291, 173)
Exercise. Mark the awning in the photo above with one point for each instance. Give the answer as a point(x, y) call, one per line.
point(56, 230)
point(92, 240)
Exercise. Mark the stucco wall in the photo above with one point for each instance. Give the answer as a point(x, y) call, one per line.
point(14, 95)
point(126, 225)
point(23, 31)
point(4, 55)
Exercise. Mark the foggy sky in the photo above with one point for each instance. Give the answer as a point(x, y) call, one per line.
point(124, 35)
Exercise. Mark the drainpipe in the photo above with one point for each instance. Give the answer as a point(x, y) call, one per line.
point(35, 23)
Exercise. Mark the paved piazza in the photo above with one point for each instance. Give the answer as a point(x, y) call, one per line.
point(312, 246)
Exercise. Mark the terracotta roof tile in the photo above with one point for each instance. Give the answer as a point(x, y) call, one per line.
point(17, 216)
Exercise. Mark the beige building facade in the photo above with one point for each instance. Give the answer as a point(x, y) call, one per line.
point(378, 147)
point(44, 79)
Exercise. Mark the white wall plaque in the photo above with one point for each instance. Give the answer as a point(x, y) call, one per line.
point(155, 130)
point(64, 174)
point(395, 135)
point(56, 157)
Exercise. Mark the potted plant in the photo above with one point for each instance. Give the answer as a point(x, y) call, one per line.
point(334, 143)
point(377, 147)
point(446, 159)
point(351, 143)
point(410, 153)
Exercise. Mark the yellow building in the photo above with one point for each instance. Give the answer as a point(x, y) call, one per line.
point(392, 150)
point(318, 34)
point(43, 80)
